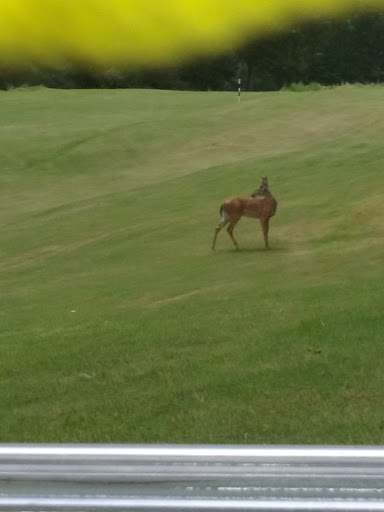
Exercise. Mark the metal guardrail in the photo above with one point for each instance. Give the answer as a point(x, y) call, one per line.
point(142, 478)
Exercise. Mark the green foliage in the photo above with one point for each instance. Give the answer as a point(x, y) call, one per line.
point(118, 322)
point(301, 87)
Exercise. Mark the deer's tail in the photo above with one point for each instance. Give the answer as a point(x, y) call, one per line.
point(223, 213)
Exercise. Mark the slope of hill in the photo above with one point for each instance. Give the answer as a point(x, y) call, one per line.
point(118, 322)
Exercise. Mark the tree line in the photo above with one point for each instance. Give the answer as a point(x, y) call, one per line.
point(326, 51)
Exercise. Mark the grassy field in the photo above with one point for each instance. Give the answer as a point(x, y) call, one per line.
point(119, 324)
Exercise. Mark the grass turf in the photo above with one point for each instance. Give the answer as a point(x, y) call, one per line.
point(118, 324)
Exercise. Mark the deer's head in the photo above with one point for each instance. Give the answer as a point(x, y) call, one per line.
point(262, 189)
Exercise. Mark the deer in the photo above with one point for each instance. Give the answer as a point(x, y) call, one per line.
point(259, 205)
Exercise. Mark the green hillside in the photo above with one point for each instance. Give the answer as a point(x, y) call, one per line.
point(119, 324)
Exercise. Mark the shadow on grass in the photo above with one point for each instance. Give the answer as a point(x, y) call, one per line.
point(246, 250)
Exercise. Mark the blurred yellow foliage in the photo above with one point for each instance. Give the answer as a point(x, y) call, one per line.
point(144, 32)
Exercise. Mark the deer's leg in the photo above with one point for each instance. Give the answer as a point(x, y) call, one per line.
point(230, 229)
point(265, 228)
point(217, 231)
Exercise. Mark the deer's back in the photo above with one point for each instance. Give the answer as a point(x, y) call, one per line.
point(259, 206)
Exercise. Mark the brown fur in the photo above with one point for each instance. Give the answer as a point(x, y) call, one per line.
point(262, 189)
point(260, 205)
